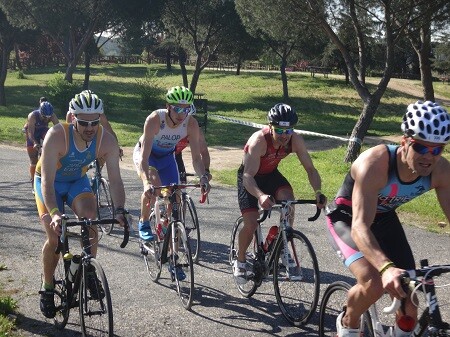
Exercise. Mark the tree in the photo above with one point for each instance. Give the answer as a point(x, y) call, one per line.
point(200, 26)
point(368, 17)
point(277, 26)
point(424, 15)
point(8, 36)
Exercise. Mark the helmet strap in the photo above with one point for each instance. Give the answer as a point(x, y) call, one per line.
point(168, 113)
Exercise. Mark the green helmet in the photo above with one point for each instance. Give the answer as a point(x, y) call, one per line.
point(179, 95)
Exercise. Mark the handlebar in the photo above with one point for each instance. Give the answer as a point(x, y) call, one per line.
point(285, 203)
point(409, 281)
point(86, 222)
point(173, 187)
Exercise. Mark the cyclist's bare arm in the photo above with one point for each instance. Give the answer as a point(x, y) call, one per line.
point(370, 172)
point(31, 128)
point(252, 159)
point(440, 181)
point(55, 147)
point(151, 129)
point(299, 148)
point(54, 119)
point(206, 159)
point(193, 134)
point(109, 151)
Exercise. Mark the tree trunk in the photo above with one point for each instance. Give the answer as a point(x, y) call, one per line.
point(182, 58)
point(168, 61)
point(4, 58)
point(16, 54)
point(424, 54)
point(87, 70)
point(362, 126)
point(69, 71)
point(238, 66)
point(284, 78)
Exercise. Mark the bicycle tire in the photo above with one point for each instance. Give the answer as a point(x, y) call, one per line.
point(297, 299)
point(183, 260)
point(105, 205)
point(248, 289)
point(96, 315)
point(151, 252)
point(333, 303)
point(61, 295)
point(191, 225)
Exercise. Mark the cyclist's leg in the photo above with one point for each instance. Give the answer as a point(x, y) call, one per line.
point(81, 200)
point(49, 258)
point(368, 288)
point(33, 156)
point(392, 240)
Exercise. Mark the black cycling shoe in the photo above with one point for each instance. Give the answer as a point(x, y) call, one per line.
point(95, 286)
point(47, 303)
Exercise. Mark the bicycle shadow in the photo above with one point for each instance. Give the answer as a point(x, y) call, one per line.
point(46, 328)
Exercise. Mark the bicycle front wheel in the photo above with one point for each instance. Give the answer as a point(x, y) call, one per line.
point(105, 205)
point(249, 288)
point(191, 225)
point(151, 252)
point(61, 295)
point(296, 281)
point(184, 267)
point(333, 303)
point(95, 306)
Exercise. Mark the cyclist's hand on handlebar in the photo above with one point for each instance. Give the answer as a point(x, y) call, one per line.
point(392, 282)
point(123, 216)
point(204, 182)
point(266, 201)
point(321, 200)
point(55, 225)
point(149, 191)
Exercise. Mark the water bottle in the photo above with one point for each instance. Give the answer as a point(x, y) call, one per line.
point(76, 259)
point(404, 325)
point(273, 232)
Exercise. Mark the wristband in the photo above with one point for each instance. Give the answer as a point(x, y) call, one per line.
point(385, 267)
point(205, 176)
point(318, 192)
point(207, 170)
point(53, 211)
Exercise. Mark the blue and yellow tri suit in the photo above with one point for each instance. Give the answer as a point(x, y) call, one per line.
point(71, 180)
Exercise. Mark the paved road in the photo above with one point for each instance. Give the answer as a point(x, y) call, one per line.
point(144, 308)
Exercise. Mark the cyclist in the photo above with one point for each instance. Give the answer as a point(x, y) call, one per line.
point(35, 129)
point(61, 176)
point(103, 121)
point(363, 226)
point(154, 153)
point(259, 179)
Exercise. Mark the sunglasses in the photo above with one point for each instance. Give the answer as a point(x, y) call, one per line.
point(180, 110)
point(88, 123)
point(424, 149)
point(280, 131)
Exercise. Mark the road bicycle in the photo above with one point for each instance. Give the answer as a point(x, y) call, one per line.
point(297, 295)
point(105, 204)
point(377, 322)
point(174, 248)
point(81, 282)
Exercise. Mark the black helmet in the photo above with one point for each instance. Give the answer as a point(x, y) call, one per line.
point(282, 115)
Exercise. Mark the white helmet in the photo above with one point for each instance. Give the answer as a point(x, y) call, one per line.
point(427, 121)
point(86, 102)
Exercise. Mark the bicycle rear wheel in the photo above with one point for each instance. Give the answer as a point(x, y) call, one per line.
point(151, 252)
point(333, 303)
point(249, 288)
point(61, 295)
point(191, 225)
point(105, 205)
point(182, 260)
point(95, 306)
point(297, 296)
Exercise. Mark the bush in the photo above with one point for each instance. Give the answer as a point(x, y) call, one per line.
point(149, 90)
point(60, 92)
